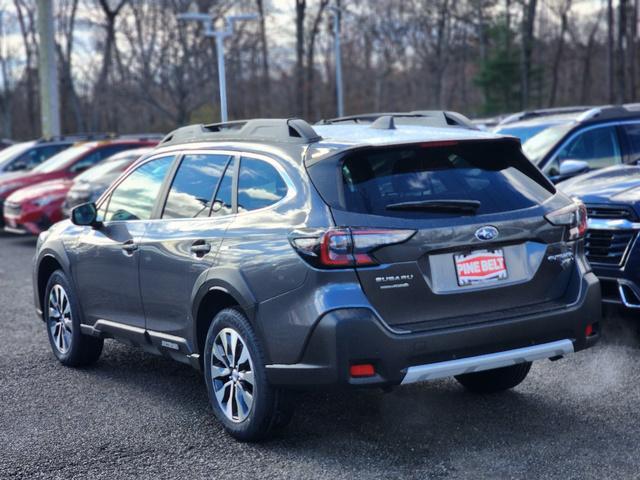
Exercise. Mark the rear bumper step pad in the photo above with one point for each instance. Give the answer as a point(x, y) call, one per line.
point(432, 371)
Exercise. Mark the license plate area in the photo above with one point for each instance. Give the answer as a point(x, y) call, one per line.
point(480, 267)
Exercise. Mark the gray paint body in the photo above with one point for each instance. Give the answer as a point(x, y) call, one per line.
point(156, 289)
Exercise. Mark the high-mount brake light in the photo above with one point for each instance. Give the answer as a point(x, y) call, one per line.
point(346, 247)
point(445, 143)
point(573, 216)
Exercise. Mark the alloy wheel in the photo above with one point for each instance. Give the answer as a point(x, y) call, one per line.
point(60, 319)
point(232, 375)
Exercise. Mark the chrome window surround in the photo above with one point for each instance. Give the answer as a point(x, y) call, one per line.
point(238, 154)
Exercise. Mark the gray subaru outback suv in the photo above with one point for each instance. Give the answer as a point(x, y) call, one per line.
point(276, 256)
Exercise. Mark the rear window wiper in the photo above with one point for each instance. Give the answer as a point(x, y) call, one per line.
point(446, 206)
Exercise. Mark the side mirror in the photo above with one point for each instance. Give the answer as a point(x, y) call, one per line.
point(85, 215)
point(18, 166)
point(571, 168)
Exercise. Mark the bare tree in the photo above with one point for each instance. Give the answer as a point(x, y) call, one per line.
point(562, 10)
point(621, 52)
point(26, 13)
point(586, 58)
point(266, 77)
point(66, 21)
point(527, 31)
point(101, 90)
point(309, 109)
point(301, 7)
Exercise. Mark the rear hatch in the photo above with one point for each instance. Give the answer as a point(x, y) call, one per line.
point(476, 243)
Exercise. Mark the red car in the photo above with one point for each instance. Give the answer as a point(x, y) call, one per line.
point(39, 193)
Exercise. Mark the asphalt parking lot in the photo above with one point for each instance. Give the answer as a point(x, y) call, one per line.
point(134, 415)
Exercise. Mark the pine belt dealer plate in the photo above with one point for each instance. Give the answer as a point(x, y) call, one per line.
point(480, 267)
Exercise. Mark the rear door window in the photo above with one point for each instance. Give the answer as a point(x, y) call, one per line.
point(599, 147)
point(259, 185)
point(193, 187)
point(380, 181)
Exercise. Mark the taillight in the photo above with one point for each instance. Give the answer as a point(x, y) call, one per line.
point(573, 216)
point(345, 247)
point(336, 248)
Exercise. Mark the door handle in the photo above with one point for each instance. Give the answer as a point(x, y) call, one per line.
point(129, 246)
point(200, 247)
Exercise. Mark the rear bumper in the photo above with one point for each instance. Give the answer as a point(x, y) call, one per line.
point(350, 336)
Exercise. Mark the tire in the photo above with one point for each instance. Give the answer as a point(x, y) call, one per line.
point(241, 398)
point(69, 345)
point(497, 380)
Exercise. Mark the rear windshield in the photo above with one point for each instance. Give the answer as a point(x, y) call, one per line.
point(397, 182)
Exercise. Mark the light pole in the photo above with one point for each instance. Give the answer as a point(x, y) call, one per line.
point(207, 22)
point(337, 12)
point(47, 70)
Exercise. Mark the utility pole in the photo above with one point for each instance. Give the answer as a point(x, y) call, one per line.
point(48, 71)
point(337, 14)
point(207, 21)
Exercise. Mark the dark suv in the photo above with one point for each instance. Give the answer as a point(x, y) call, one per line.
point(277, 256)
point(612, 197)
point(573, 143)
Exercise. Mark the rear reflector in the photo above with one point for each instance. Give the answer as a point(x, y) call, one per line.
point(362, 370)
point(588, 331)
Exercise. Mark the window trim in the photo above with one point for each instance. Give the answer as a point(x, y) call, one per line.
point(232, 162)
point(580, 131)
point(236, 155)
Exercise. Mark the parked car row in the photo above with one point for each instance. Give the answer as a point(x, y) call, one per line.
point(33, 195)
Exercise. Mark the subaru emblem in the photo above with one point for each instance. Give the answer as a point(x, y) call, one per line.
point(486, 233)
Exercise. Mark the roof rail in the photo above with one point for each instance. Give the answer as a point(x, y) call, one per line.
point(540, 112)
point(281, 130)
point(431, 118)
point(78, 137)
point(452, 118)
point(610, 112)
point(141, 136)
